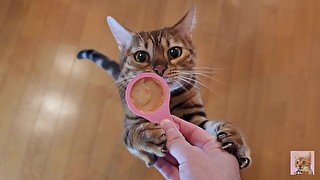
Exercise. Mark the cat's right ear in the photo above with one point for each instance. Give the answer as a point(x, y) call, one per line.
point(187, 23)
point(122, 35)
point(309, 155)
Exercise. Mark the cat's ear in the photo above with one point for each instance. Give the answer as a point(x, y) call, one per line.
point(295, 156)
point(309, 155)
point(187, 23)
point(123, 36)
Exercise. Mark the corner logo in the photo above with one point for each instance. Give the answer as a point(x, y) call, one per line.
point(302, 163)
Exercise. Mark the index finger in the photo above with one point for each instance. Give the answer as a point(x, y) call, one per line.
point(196, 136)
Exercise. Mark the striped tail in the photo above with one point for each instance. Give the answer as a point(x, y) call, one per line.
point(101, 60)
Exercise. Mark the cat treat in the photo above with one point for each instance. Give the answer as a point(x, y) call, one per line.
point(148, 96)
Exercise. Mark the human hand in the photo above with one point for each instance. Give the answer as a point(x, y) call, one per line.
point(194, 154)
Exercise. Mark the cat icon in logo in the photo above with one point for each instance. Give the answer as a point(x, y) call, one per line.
point(302, 162)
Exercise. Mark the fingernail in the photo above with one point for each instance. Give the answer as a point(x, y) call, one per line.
point(167, 124)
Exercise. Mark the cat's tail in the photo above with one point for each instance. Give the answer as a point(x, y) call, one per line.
point(112, 67)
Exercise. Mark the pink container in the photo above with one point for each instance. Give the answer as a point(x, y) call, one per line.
point(163, 111)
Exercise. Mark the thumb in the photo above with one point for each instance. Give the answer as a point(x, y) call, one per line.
point(176, 143)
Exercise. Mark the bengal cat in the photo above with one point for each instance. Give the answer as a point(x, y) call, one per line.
point(303, 165)
point(170, 53)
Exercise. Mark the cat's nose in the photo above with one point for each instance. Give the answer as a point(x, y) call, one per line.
point(159, 69)
point(159, 66)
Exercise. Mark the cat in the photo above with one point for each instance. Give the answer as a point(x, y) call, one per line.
point(303, 164)
point(168, 52)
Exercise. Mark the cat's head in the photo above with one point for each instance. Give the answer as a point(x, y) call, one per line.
point(169, 52)
point(303, 161)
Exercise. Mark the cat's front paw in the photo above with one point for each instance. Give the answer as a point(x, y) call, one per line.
point(154, 139)
point(231, 140)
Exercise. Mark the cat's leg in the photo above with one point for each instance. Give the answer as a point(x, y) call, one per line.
point(231, 140)
point(145, 140)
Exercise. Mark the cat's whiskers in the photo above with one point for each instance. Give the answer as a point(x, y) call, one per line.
point(125, 82)
point(122, 83)
point(188, 82)
point(176, 74)
point(201, 71)
point(205, 75)
point(200, 82)
point(112, 84)
point(211, 68)
point(119, 88)
point(198, 79)
point(206, 71)
point(181, 85)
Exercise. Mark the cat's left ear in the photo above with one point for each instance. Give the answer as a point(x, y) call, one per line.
point(187, 23)
point(123, 36)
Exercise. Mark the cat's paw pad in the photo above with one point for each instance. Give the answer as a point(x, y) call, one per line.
point(232, 142)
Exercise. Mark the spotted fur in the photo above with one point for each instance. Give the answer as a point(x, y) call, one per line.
point(143, 138)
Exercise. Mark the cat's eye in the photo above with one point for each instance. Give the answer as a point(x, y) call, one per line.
point(141, 56)
point(174, 52)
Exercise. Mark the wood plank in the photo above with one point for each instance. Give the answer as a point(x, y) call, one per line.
point(54, 98)
point(4, 8)
point(35, 81)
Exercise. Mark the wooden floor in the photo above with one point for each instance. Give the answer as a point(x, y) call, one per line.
point(61, 119)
